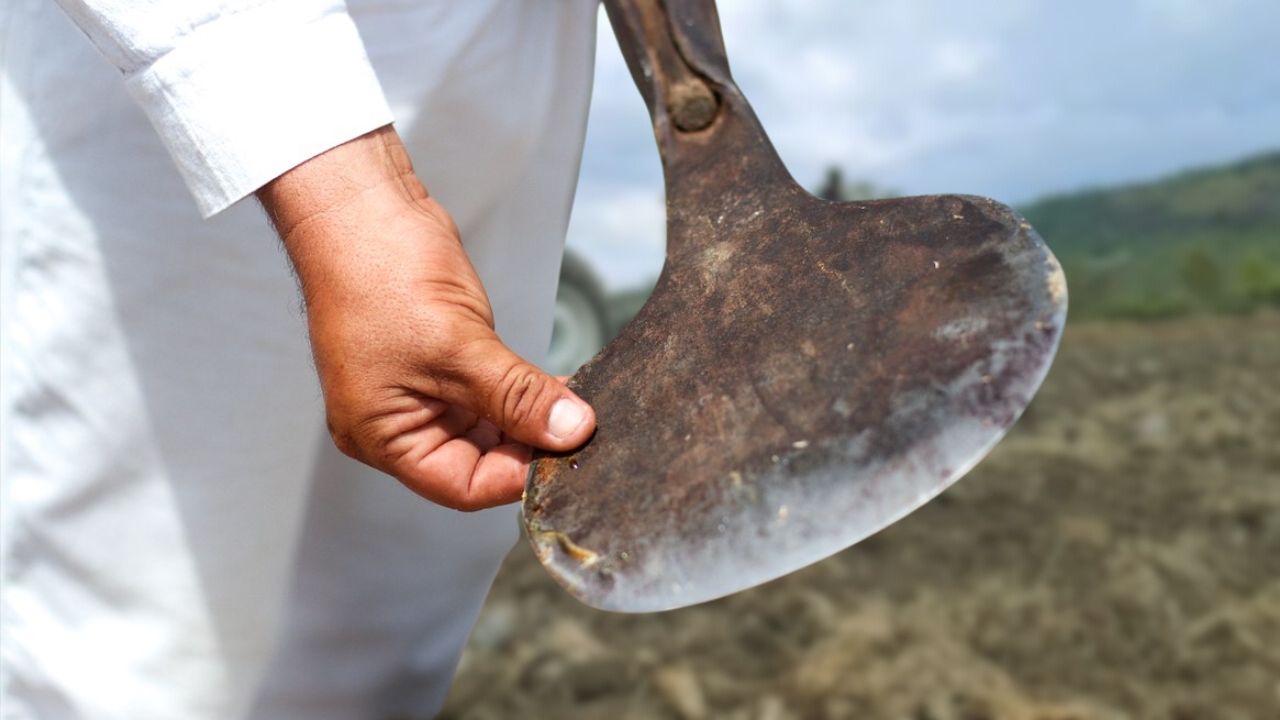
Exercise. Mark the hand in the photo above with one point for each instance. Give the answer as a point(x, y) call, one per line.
point(416, 383)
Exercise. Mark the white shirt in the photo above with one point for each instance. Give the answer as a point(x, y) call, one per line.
point(161, 491)
point(240, 91)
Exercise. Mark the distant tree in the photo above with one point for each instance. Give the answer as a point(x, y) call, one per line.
point(1260, 280)
point(1202, 276)
point(835, 187)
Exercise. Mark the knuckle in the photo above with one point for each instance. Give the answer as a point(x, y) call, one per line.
point(343, 439)
point(353, 438)
point(520, 392)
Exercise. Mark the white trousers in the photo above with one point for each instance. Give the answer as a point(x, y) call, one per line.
point(178, 538)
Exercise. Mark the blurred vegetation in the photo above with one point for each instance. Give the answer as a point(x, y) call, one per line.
point(1200, 242)
point(1205, 241)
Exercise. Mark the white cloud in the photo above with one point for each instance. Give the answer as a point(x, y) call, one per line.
point(960, 60)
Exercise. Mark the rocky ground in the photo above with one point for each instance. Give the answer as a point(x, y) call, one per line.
point(1117, 556)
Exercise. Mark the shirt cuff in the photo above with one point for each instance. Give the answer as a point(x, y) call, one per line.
point(254, 94)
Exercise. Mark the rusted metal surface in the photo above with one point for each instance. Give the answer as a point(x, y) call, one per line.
point(805, 372)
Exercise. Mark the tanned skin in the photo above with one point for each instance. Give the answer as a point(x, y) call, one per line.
point(416, 382)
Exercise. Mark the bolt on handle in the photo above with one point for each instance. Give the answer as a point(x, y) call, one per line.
point(676, 56)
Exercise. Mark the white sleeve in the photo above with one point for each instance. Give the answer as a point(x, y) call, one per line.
point(239, 90)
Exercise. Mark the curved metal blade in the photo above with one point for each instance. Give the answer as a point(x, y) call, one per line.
point(802, 377)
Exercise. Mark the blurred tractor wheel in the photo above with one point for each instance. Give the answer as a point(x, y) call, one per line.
point(581, 320)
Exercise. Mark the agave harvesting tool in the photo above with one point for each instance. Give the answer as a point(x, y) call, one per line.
point(805, 372)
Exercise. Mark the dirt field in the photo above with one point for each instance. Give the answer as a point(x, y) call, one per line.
point(1117, 556)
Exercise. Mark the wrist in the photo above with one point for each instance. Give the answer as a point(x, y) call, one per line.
point(371, 168)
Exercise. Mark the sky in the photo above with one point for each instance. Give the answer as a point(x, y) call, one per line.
point(1012, 99)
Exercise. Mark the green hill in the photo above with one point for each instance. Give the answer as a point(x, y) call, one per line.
point(1201, 241)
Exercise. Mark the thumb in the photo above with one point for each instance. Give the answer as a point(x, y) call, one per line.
point(527, 404)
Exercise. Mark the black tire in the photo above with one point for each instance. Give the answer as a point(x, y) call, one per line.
point(581, 318)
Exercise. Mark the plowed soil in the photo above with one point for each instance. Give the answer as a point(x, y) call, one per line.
point(1116, 556)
